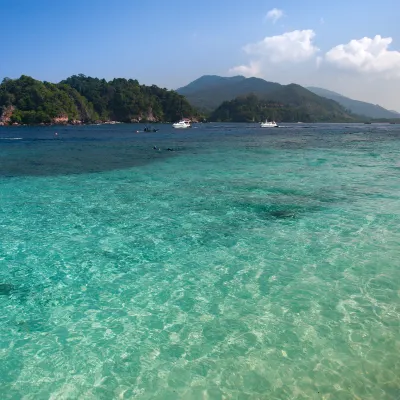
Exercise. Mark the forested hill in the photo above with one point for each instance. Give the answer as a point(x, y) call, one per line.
point(28, 101)
point(209, 92)
point(82, 99)
point(126, 100)
point(251, 108)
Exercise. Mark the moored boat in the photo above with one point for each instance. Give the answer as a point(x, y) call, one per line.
point(182, 124)
point(268, 124)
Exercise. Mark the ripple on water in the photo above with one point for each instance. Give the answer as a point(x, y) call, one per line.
point(240, 272)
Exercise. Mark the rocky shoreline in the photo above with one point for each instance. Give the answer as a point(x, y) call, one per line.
point(81, 123)
point(6, 120)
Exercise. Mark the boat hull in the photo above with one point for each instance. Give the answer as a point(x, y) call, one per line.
point(181, 125)
point(268, 126)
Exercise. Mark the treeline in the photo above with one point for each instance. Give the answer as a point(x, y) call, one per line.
point(84, 99)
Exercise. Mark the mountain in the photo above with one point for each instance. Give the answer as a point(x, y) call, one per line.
point(209, 92)
point(82, 99)
point(355, 106)
point(208, 81)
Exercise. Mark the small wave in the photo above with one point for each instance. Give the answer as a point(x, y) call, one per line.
point(11, 138)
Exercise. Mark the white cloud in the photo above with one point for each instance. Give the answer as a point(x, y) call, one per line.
point(366, 55)
point(290, 47)
point(366, 69)
point(253, 69)
point(274, 14)
point(295, 46)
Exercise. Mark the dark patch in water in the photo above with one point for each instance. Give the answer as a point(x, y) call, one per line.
point(6, 289)
point(34, 325)
point(80, 153)
point(282, 214)
point(276, 211)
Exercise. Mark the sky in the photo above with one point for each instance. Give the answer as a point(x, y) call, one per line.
point(351, 47)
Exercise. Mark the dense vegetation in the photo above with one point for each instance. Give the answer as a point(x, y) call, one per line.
point(126, 100)
point(250, 108)
point(319, 109)
point(37, 102)
point(82, 99)
point(85, 99)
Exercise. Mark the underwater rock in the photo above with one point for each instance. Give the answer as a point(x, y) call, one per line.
point(282, 214)
point(6, 289)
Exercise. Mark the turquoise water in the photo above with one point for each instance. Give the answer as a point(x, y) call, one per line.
point(244, 264)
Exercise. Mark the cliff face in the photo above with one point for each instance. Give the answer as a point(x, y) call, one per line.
point(5, 118)
point(61, 119)
point(150, 117)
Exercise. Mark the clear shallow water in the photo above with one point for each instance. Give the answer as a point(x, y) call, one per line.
point(244, 264)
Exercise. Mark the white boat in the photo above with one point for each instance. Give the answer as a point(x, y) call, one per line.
point(182, 124)
point(268, 124)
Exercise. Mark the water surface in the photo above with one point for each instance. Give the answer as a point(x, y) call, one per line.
point(243, 264)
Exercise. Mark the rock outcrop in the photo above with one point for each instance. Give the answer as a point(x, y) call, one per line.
point(61, 119)
point(5, 117)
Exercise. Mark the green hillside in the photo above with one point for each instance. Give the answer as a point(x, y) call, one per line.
point(317, 108)
point(34, 102)
point(209, 91)
point(126, 100)
point(251, 108)
point(82, 99)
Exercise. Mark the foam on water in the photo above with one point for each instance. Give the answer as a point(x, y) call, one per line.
point(258, 267)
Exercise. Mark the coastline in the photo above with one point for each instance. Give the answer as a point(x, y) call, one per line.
point(80, 123)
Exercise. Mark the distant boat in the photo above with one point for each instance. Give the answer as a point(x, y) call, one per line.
point(268, 124)
point(182, 124)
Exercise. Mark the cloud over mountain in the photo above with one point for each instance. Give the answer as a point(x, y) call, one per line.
point(290, 47)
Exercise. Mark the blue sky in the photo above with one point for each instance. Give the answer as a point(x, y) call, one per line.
point(170, 43)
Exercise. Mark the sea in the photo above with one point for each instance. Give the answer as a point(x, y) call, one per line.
point(224, 261)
